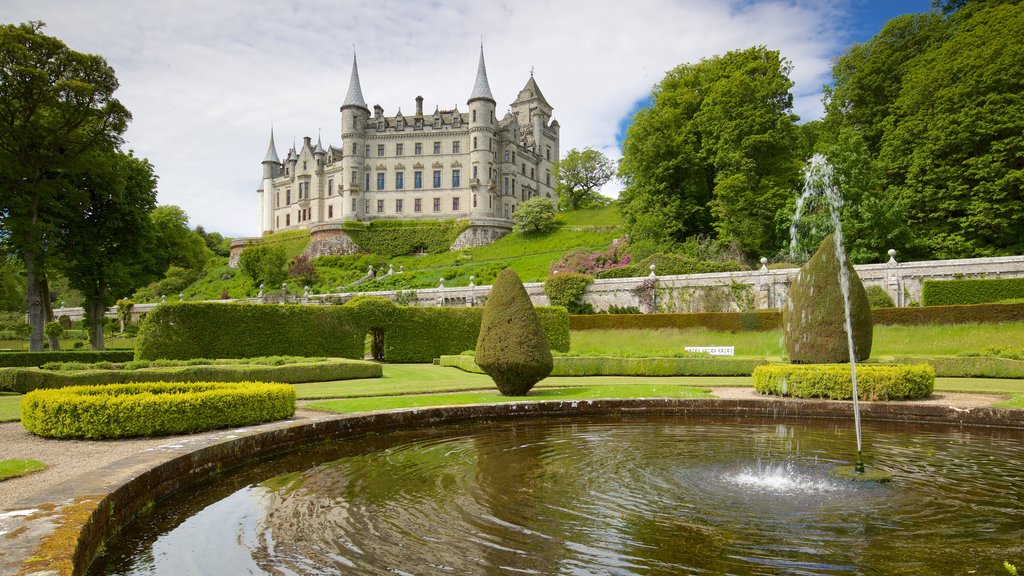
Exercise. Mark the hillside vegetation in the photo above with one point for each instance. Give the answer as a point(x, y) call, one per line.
point(529, 254)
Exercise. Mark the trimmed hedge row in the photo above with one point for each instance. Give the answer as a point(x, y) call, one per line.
point(976, 291)
point(422, 334)
point(610, 366)
point(27, 379)
point(18, 358)
point(761, 320)
point(874, 382)
point(183, 330)
point(126, 410)
point(969, 366)
point(968, 314)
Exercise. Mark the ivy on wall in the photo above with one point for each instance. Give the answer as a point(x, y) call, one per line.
point(390, 238)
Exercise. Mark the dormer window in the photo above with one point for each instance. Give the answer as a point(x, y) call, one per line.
point(457, 120)
point(380, 125)
point(400, 123)
point(437, 122)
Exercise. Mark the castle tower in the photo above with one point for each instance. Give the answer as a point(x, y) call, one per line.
point(354, 118)
point(482, 125)
point(271, 164)
point(532, 111)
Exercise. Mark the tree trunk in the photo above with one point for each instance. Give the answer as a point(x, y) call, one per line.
point(95, 311)
point(53, 341)
point(377, 345)
point(37, 292)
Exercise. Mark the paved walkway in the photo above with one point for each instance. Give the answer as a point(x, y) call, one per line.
point(69, 458)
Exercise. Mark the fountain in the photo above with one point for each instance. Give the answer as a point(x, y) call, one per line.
point(818, 183)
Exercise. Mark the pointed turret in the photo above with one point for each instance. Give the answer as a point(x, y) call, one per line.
point(354, 96)
point(481, 88)
point(272, 150)
point(319, 146)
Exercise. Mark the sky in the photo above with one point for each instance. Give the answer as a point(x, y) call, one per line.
point(206, 80)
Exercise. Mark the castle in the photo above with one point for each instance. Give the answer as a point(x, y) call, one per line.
point(450, 164)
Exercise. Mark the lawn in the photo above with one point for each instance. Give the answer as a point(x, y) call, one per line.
point(10, 406)
point(888, 340)
point(15, 468)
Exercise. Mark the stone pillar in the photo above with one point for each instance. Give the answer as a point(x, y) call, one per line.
point(892, 279)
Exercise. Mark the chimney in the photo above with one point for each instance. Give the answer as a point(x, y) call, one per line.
point(419, 105)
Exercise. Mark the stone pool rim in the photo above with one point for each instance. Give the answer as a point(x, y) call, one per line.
point(69, 522)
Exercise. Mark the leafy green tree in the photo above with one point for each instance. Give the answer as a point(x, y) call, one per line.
point(56, 108)
point(714, 153)
point(535, 215)
point(216, 242)
point(105, 245)
point(174, 243)
point(264, 264)
point(580, 176)
point(12, 282)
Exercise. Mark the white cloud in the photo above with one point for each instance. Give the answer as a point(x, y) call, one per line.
point(204, 80)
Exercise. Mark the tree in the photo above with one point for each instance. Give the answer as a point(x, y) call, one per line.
point(12, 282)
point(56, 108)
point(105, 246)
point(715, 153)
point(535, 215)
point(579, 176)
point(217, 243)
point(174, 243)
point(264, 264)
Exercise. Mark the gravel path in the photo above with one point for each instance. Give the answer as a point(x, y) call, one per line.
point(69, 458)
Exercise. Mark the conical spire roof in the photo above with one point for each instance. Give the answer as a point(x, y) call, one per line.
point(354, 97)
point(481, 88)
point(319, 147)
point(272, 150)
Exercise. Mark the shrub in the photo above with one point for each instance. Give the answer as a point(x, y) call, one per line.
point(303, 270)
point(612, 366)
point(23, 358)
point(969, 366)
point(874, 382)
point(878, 297)
point(759, 320)
point(585, 261)
point(814, 320)
point(226, 330)
point(53, 330)
point(535, 215)
point(977, 291)
point(153, 409)
point(674, 264)
point(567, 289)
point(264, 264)
point(975, 313)
point(512, 348)
point(26, 379)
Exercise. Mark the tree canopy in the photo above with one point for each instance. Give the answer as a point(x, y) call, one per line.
point(715, 153)
point(580, 176)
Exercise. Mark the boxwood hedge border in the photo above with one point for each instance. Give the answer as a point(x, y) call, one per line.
point(874, 382)
point(23, 358)
point(612, 366)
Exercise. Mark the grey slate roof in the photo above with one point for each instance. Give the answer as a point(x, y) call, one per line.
point(272, 150)
point(354, 97)
point(481, 89)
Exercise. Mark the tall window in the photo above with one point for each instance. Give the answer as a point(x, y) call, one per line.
point(287, 219)
point(398, 206)
point(353, 205)
point(330, 187)
point(437, 178)
point(455, 203)
point(380, 149)
point(399, 149)
point(474, 142)
point(399, 180)
point(330, 211)
point(418, 148)
point(547, 177)
point(548, 154)
point(287, 197)
point(380, 206)
point(380, 180)
point(506, 184)
point(506, 155)
point(455, 147)
point(475, 176)
point(367, 187)
point(417, 205)
point(437, 147)
point(474, 115)
point(456, 177)
point(355, 148)
point(417, 179)
point(532, 172)
point(437, 204)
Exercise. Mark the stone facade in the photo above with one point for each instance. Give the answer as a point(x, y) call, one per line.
point(465, 164)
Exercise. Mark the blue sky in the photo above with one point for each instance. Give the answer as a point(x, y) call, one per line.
point(205, 80)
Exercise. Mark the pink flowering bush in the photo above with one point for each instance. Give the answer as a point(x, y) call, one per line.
point(590, 263)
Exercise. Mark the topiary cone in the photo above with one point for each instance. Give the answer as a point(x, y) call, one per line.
point(512, 348)
point(813, 319)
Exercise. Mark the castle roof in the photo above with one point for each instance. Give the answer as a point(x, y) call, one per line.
point(481, 89)
point(354, 96)
point(531, 92)
point(272, 150)
point(319, 147)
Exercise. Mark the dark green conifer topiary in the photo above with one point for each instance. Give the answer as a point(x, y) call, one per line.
point(512, 349)
point(813, 319)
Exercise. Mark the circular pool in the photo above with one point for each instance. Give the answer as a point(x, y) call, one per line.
point(605, 495)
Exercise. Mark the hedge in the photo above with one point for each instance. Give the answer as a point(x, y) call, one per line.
point(399, 237)
point(611, 366)
point(969, 366)
point(183, 330)
point(970, 314)
point(977, 291)
point(761, 320)
point(27, 379)
point(20, 358)
point(422, 334)
point(874, 382)
point(126, 410)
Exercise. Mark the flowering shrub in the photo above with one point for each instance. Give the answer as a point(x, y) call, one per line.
point(590, 263)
